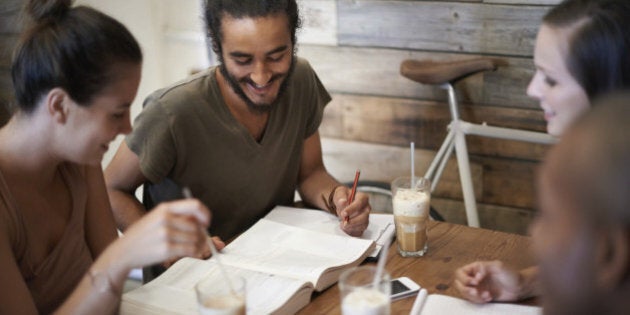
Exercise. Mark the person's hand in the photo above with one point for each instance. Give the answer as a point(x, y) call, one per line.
point(355, 216)
point(170, 231)
point(218, 244)
point(485, 281)
point(205, 254)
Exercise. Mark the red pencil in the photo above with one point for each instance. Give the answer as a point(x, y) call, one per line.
point(352, 192)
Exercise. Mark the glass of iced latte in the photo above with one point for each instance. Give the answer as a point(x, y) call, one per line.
point(216, 297)
point(411, 203)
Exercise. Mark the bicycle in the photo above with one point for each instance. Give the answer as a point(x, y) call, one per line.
point(445, 75)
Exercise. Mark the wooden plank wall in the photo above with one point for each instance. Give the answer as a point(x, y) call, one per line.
point(376, 112)
point(356, 46)
point(10, 26)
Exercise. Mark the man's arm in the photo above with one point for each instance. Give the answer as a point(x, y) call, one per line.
point(316, 185)
point(123, 177)
point(314, 180)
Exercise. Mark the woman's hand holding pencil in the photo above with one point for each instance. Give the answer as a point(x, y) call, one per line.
point(204, 240)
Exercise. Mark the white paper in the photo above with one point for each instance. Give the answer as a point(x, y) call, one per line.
point(381, 228)
point(447, 305)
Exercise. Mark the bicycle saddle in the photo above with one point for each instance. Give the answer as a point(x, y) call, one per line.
point(440, 72)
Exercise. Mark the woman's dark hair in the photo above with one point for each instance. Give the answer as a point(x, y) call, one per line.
point(215, 10)
point(599, 47)
point(71, 48)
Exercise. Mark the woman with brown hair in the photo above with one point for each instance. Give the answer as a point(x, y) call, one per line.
point(75, 73)
point(582, 53)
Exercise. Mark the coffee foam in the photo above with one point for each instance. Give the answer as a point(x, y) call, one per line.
point(365, 302)
point(226, 305)
point(412, 203)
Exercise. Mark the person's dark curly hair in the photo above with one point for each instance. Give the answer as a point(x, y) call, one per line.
point(215, 10)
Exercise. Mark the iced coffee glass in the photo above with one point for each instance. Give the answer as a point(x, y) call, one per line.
point(216, 297)
point(411, 204)
point(358, 294)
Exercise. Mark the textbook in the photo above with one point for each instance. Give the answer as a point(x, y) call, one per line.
point(282, 265)
point(447, 305)
point(381, 228)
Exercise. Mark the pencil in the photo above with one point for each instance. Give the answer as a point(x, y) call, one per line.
point(215, 253)
point(352, 192)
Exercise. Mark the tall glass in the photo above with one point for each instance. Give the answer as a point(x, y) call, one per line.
point(411, 203)
point(359, 296)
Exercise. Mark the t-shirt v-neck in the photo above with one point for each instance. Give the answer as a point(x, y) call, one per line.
point(232, 121)
point(186, 134)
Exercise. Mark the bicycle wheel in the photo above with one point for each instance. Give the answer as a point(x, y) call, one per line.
point(380, 195)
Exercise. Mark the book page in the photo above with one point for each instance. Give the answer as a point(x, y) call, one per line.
point(280, 249)
point(384, 224)
point(447, 305)
point(173, 291)
point(380, 230)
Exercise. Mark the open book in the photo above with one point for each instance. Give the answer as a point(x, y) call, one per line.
point(282, 265)
point(381, 228)
point(447, 305)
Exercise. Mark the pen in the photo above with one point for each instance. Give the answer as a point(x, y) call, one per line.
point(352, 192)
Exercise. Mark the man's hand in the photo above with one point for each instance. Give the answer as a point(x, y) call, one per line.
point(218, 244)
point(355, 216)
point(206, 253)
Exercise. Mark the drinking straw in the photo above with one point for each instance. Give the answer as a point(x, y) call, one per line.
point(380, 266)
point(412, 165)
point(215, 252)
point(419, 302)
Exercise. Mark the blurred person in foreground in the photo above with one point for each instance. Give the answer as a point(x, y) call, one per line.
point(581, 237)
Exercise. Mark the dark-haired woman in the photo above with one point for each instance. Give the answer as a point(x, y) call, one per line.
point(75, 73)
point(582, 53)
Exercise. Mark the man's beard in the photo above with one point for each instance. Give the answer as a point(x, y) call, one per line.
point(258, 108)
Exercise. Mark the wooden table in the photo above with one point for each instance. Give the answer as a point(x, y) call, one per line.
point(450, 247)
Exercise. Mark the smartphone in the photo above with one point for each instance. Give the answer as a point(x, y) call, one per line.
point(403, 287)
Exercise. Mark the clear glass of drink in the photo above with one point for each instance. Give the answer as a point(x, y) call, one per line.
point(216, 297)
point(359, 296)
point(411, 203)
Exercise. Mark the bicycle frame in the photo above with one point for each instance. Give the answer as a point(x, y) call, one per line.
point(456, 139)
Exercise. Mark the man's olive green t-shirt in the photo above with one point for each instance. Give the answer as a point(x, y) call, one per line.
point(187, 135)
